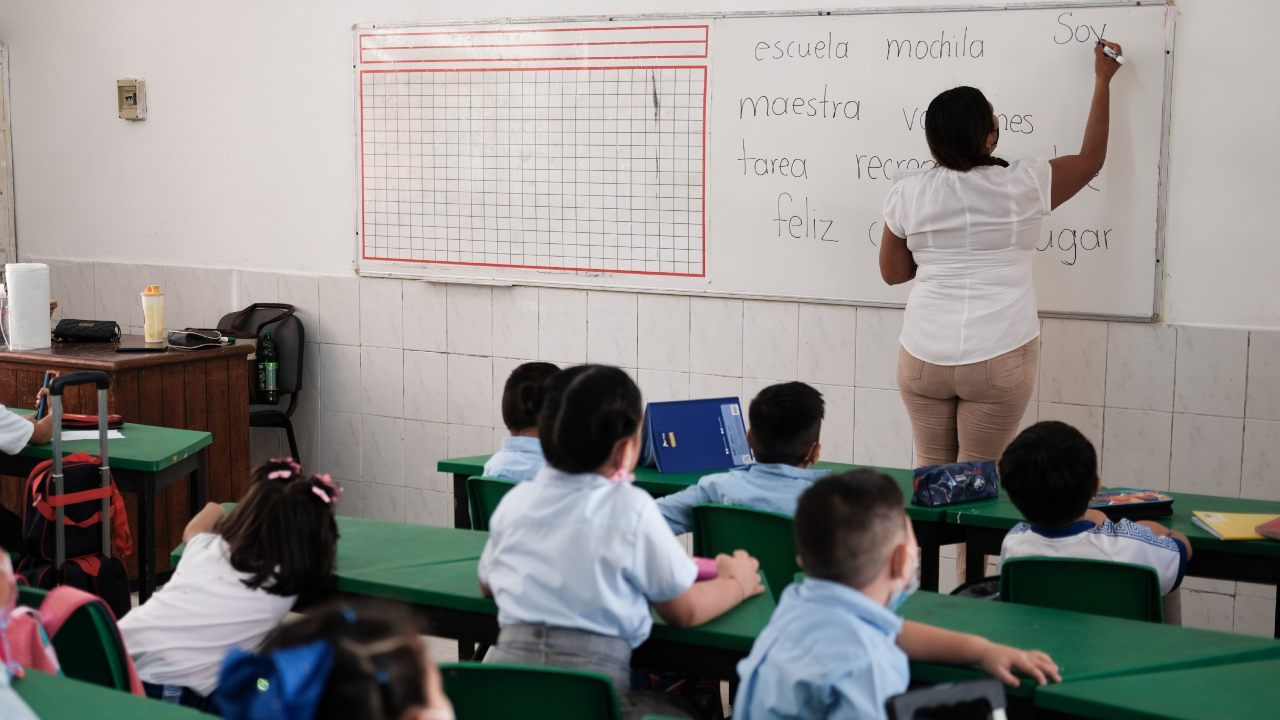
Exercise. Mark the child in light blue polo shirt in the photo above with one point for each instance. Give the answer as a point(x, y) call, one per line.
point(577, 557)
point(786, 422)
point(520, 457)
point(835, 647)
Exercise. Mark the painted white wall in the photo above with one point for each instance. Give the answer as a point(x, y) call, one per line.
point(247, 159)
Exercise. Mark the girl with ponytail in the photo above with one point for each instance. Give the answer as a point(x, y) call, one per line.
point(577, 557)
point(520, 457)
point(239, 576)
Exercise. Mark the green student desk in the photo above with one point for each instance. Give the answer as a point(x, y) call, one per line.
point(1256, 561)
point(434, 570)
point(1237, 690)
point(931, 525)
point(1084, 646)
point(50, 696)
point(144, 462)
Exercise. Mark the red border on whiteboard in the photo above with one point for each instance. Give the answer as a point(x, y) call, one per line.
point(705, 41)
point(364, 255)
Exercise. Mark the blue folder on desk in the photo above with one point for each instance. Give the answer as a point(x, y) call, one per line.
point(695, 435)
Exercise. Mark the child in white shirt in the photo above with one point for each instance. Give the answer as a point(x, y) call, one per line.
point(239, 576)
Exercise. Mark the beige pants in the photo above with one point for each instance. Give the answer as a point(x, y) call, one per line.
point(967, 412)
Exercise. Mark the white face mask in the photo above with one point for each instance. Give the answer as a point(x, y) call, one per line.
point(437, 714)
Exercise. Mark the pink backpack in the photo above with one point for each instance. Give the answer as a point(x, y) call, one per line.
point(29, 632)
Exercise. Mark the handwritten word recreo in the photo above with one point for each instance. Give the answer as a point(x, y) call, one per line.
point(955, 47)
point(874, 167)
point(827, 49)
point(767, 106)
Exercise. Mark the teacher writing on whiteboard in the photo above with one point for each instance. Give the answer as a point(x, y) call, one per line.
point(966, 231)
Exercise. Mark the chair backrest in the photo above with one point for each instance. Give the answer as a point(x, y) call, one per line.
point(977, 700)
point(767, 536)
point(493, 691)
point(483, 494)
point(290, 338)
point(88, 642)
point(1089, 586)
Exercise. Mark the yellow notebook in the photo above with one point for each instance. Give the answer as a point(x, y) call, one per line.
point(1230, 526)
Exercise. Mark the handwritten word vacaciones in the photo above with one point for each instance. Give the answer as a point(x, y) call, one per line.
point(769, 106)
point(944, 47)
point(828, 49)
point(1008, 123)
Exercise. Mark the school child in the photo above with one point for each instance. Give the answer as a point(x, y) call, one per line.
point(786, 421)
point(1050, 472)
point(520, 457)
point(350, 659)
point(577, 556)
point(835, 647)
point(17, 432)
point(239, 575)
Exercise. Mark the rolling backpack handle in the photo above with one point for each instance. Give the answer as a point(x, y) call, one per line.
point(55, 392)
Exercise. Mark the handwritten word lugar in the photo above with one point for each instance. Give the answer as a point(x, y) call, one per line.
point(1071, 241)
point(953, 47)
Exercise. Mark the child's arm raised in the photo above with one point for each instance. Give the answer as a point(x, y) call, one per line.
point(738, 579)
point(926, 643)
point(204, 521)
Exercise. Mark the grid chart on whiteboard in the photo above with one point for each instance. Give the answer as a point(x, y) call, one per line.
point(573, 168)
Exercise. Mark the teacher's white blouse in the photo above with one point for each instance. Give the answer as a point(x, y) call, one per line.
point(973, 235)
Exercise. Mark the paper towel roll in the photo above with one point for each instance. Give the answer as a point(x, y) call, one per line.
point(29, 295)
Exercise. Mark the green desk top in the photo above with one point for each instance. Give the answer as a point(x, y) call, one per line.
point(144, 448)
point(658, 484)
point(59, 697)
point(1238, 690)
point(1084, 646)
point(1001, 514)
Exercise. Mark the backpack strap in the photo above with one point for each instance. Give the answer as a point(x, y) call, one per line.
point(64, 600)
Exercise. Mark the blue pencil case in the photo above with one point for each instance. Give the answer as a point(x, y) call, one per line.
point(955, 483)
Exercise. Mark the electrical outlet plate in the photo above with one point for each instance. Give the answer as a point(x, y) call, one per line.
point(131, 98)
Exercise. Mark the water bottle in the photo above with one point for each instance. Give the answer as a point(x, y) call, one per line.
point(153, 314)
point(268, 366)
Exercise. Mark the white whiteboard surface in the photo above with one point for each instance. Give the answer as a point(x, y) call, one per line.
point(610, 154)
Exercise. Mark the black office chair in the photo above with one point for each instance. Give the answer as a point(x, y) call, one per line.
point(976, 700)
point(290, 339)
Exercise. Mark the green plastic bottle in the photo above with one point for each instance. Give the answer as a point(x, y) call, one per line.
point(268, 366)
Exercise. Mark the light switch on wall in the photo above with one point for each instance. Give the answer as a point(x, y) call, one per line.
point(131, 97)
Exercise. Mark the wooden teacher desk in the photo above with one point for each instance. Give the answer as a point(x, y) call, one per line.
point(192, 390)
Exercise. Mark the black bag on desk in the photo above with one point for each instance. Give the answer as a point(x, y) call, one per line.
point(198, 339)
point(68, 330)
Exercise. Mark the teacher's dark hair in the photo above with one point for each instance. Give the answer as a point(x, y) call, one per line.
point(957, 125)
point(586, 411)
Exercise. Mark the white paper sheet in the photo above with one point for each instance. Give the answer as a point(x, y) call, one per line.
point(69, 435)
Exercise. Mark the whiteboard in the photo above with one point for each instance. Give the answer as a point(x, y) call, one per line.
point(741, 155)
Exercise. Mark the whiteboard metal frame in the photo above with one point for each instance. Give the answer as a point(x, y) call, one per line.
point(555, 280)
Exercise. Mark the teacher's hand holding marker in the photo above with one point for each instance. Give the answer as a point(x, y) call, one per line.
point(965, 233)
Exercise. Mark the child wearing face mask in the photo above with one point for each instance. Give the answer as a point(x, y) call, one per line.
point(835, 647)
point(577, 556)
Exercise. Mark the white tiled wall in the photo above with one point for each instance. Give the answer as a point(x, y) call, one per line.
point(403, 373)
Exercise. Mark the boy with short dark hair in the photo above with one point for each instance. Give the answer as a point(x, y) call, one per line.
point(835, 647)
point(785, 424)
point(520, 457)
point(1050, 472)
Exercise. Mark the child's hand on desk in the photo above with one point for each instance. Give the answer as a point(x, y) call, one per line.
point(1001, 660)
point(743, 570)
